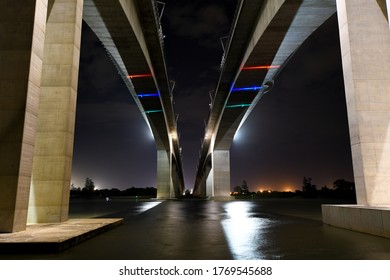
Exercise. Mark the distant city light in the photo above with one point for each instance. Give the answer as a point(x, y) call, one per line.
point(260, 67)
point(140, 76)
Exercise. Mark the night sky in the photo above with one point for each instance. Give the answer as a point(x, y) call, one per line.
point(298, 129)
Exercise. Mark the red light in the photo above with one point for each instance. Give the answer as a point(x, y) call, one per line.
point(140, 76)
point(260, 67)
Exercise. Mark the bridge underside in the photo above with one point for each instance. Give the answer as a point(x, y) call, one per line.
point(365, 46)
point(39, 53)
point(254, 57)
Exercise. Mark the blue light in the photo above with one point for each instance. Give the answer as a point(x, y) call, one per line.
point(238, 105)
point(141, 95)
point(246, 88)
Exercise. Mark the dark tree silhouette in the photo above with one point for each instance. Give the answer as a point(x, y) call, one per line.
point(244, 187)
point(308, 189)
point(89, 185)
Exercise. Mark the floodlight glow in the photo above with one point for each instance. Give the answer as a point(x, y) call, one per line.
point(141, 95)
point(260, 67)
point(153, 111)
point(238, 105)
point(246, 88)
point(140, 76)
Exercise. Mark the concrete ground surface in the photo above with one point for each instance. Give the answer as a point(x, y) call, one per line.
point(211, 230)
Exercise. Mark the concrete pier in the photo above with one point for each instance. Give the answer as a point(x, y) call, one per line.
point(52, 165)
point(221, 174)
point(23, 26)
point(365, 48)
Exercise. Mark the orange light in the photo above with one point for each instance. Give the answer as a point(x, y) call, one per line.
point(140, 76)
point(260, 67)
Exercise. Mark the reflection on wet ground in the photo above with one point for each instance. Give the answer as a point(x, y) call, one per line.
point(244, 231)
point(208, 230)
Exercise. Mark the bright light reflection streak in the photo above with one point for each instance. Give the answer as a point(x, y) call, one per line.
point(146, 206)
point(244, 233)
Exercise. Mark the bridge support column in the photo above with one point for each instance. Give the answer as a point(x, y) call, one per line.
point(365, 48)
point(22, 33)
point(209, 184)
point(221, 174)
point(388, 11)
point(164, 181)
point(176, 185)
point(52, 165)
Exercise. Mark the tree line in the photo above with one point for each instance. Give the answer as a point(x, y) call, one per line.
point(90, 190)
point(341, 188)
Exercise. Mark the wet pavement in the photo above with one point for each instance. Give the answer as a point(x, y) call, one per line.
point(211, 230)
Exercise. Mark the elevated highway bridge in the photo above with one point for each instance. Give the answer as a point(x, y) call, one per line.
point(263, 36)
point(39, 55)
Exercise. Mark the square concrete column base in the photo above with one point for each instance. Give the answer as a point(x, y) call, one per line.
point(361, 218)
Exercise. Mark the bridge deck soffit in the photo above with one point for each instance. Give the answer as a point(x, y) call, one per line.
point(279, 29)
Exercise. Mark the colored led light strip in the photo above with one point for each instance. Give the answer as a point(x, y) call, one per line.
point(238, 105)
point(141, 95)
point(140, 76)
point(153, 111)
point(246, 88)
point(260, 67)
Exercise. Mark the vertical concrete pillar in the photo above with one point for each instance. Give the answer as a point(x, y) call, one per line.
point(388, 11)
point(221, 173)
point(163, 175)
point(365, 48)
point(52, 165)
point(175, 179)
point(200, 190)
point(209, 184)
point(22, 33)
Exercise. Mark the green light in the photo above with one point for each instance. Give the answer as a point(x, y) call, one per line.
point(238, 105)
point(153, 111)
